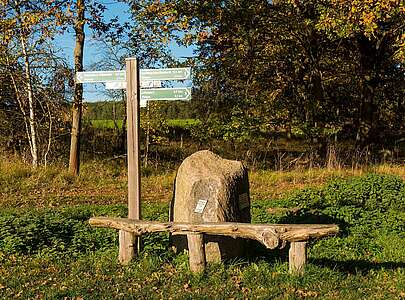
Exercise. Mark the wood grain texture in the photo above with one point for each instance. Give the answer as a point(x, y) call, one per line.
point(270, 235)
point(134, 177)
point(196, 252)
point(297, 257)
point(128, 246)
point(127, 240)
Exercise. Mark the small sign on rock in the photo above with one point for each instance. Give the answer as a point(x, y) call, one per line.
point(200, 206)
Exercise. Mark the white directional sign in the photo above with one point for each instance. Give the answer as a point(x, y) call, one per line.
point(100, 76)
point(115, 85)
point(165, 74)
point(151, 84)
point(166, 94)
point(122, 85)
point(143, 103)
point(145, 74)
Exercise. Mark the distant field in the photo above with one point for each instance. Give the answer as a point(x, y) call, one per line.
point(183, 122)
point(172, 122)
point(105, 123)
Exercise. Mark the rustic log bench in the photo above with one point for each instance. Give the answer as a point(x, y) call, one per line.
point(270, 235)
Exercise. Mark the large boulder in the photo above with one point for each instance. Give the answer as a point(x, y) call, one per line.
point(209, 188)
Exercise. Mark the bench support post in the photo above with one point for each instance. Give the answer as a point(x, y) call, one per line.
point(297, 257)
point(196, 252)
point(128, 246)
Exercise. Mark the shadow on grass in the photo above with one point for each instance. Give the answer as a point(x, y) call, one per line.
point(306, 216)
point(356, 266)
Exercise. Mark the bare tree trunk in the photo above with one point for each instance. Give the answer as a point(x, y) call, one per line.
point(33, 130)
point(74, 159)
point(32, 134)
point(20, 105)
point(48, 148)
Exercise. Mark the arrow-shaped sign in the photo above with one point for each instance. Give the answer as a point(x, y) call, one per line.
point(100, 76)
point(166, 94)
point(145, 74)
point(165, 74)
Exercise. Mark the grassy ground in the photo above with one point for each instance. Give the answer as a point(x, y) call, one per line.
point(105, 182)
point(47, 250)
point(106, 123)
point(172, 122)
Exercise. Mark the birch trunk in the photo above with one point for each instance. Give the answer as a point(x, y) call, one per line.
point(32, 133)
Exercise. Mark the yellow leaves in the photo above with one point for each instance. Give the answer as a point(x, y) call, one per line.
point(164, 28)
point(400, 53)
point(185, 23)
point(368, 19)
point(188, 38)
point(347, 16)
point(171, 19)
point(202, 36)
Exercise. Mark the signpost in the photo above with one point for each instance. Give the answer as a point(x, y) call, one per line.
point(166, 94)
point(115, 85)
point(122, 85)
point(100, 76)
point(132, 79)
point(166, 74)
point(145, 75)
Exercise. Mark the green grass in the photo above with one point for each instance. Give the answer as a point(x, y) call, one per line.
point(183, 122)
point(106, 124)
point(109, 124)
point(48, 250)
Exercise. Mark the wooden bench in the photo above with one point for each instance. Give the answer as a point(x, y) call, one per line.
point(270, 235)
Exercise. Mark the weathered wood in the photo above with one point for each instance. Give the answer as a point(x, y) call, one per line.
point(127, 242)
point(128, 246)
point(196, 252)
point(133, 102)
point(270, 235)
point(297, 257)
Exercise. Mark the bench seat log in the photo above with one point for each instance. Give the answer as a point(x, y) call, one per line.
point(270, 235)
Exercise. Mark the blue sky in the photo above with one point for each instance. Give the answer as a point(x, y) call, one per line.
point(66, 42)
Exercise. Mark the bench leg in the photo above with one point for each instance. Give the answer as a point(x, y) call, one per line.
point(128, 246)
point(196, 252)
point(297, 257)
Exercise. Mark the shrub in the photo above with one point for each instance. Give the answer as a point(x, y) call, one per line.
point(370, 192)
point(67, 230)
point(33, 232)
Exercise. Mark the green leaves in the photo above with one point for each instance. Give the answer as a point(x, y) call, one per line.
point(370, 192)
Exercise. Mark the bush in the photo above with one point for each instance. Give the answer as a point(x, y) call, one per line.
point(54, 231)
point(368, 209)
point(370, 192)
point(67, 230)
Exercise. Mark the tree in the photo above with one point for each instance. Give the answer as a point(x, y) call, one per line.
point(98, 25)
point(26, 27)
point(376, 32)
point(322, 67)
point(79, 21)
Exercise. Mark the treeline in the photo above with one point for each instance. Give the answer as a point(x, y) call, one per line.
point(327, 72)
point(329, 68)
point(107, 110)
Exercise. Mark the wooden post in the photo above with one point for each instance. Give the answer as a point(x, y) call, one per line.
point(196, 252)
point(129, 243)
point(297, 257)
